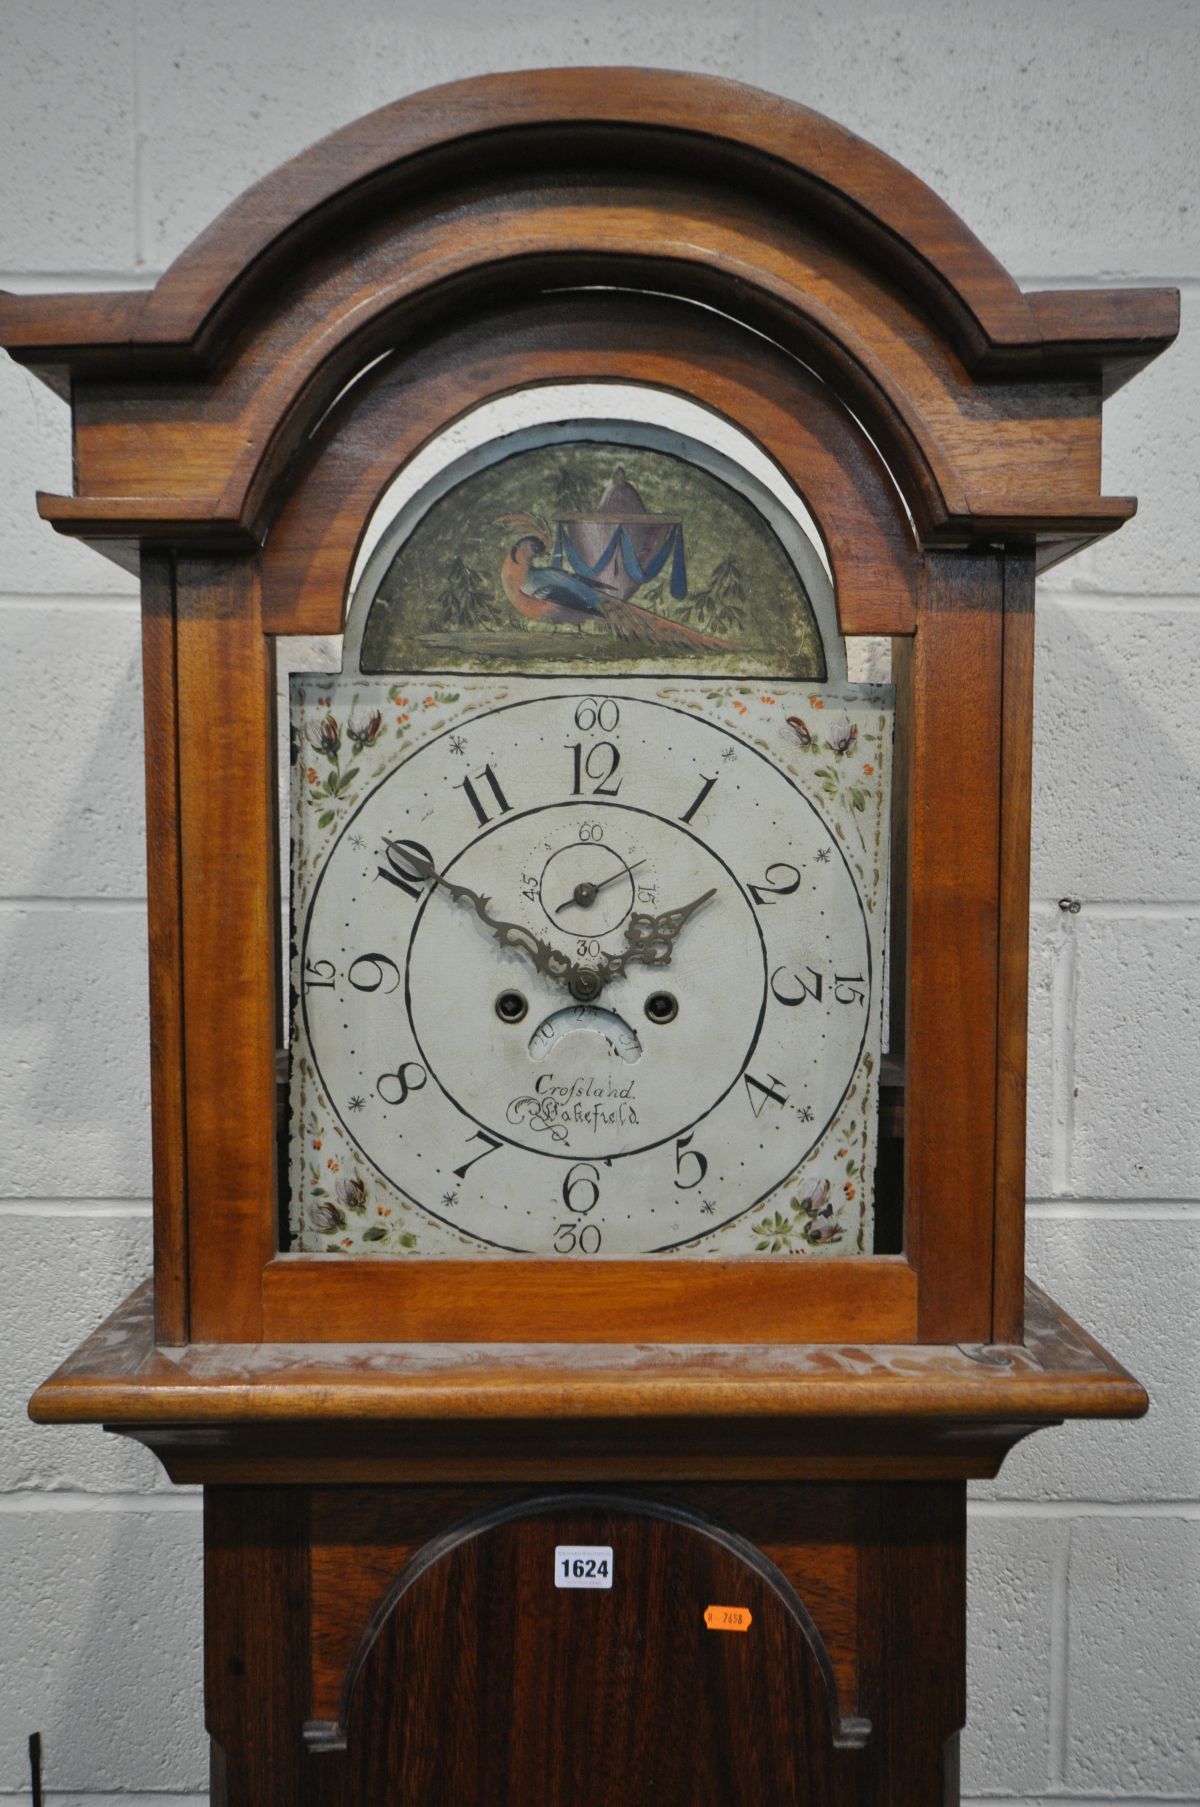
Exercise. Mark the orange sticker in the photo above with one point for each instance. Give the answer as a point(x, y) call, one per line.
point(727, 1618)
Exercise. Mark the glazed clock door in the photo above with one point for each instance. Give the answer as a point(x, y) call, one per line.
point(588, 924)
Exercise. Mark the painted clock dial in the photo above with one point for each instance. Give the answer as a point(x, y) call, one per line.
point(584, 972)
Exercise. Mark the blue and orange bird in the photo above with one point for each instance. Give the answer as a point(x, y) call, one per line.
point(548, 593)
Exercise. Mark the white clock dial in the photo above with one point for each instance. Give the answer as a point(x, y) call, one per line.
point(578, 975)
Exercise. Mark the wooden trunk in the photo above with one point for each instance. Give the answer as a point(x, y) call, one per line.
point(409, 1645)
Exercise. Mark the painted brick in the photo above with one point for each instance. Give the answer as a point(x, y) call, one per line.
point(1134, 1657)
point(277, 75)
point(1133, 1284)
point(1011, 1579)
point(1116, 751)
point(1046, 941)
point(61, 1276)
point(72, 814)
point(101, 1648)
point(66, 136)
point(74, 1063)
point(35, 453)
point(1020, 115)
point(142, 1799)
point(1151, 451)
point(1137, 1053)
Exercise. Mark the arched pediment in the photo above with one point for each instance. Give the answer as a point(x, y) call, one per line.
point(191, 399)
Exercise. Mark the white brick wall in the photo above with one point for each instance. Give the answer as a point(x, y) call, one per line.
point(1067, 134)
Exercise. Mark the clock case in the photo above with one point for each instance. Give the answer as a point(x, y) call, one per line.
point(233, 429)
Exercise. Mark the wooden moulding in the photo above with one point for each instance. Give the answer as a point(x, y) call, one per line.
point(542, 1300)
point(400, 405)
point(164, 900)
point(955, 755)
point(200, 302)
point(296, 1411)
point(1012, 1000)
point(226, 839)
point(458, 201)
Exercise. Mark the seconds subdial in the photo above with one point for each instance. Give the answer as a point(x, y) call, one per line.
point(593, 879)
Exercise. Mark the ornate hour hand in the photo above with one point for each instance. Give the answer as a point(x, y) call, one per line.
point(650, 940)
point(548, 960)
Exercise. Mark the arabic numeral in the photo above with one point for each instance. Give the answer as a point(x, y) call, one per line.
point(573, 1238)
point(593, 712)
point(490, 1147)
point(396, 1088)
point(587, 950)
point(701, 794)
point(591, 831)
point(773, 886)
point(368, 971)
point(402, 870)
point(581, 1188)
point(760, 1092)
point(685, 1153)
point(849, 989)
point(599, 764)
point(467, 786)
point(319, 975)
point(813, 987)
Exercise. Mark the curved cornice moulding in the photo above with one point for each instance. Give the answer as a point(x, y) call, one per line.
point(876, 200)
point(191, 400)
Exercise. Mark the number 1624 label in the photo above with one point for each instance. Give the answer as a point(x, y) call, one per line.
point(583, 1565)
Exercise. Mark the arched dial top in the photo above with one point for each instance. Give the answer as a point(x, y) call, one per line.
point(586, 972)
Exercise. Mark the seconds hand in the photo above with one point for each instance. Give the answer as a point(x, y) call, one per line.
point(586, 894)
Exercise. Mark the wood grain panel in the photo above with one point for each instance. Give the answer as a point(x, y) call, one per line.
point(311, 1298)
point(954, 853)
point(361, 1539)
point(256, 1630)
point(913, 1605)
point(1016, 799)
point(480, 1661)
point(226, 785)
point(517, 1691)
point(165, 926)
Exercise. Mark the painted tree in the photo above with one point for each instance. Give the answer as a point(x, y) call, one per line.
point(654, 596)
point(466, 598)
point(721, 605)
point(571, 496)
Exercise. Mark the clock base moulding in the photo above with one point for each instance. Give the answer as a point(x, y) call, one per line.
point(421, 1412)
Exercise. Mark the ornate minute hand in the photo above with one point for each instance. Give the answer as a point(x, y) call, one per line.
point(650, 939)
point(547, 959)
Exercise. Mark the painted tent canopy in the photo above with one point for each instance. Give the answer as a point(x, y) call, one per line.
point(586, 552)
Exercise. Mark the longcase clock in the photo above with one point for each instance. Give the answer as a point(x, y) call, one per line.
point(587, 531)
